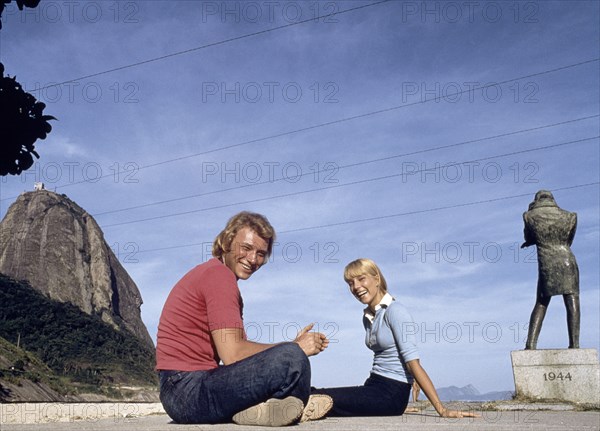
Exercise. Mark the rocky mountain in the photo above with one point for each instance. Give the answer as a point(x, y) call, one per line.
point(54, 244)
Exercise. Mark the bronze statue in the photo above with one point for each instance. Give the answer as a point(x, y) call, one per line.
point(552, 230)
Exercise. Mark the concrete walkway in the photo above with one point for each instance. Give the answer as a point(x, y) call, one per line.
point(148, 417)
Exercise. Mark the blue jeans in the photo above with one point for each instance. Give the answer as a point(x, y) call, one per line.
point(214, 396)
point(379, 396)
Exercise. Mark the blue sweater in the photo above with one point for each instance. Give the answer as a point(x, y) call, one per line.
point(391, 337)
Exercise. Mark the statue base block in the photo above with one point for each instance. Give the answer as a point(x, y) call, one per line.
point(571, 375)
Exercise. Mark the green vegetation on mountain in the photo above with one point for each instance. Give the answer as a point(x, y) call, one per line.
point(18, 366)
point(74, 345)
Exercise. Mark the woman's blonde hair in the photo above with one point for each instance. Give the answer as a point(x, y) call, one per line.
point(257, 222)
point(363, 266)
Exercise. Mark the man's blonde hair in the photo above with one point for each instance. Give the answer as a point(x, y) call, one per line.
point(257, 222)
point(363, 266)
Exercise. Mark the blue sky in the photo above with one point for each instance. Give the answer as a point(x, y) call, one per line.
point(412, 133)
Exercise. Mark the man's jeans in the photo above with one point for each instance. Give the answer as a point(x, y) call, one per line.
point(214, 396)
point(379, 396)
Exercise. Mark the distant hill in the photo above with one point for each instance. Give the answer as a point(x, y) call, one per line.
point(64, 349)
point(470, 393)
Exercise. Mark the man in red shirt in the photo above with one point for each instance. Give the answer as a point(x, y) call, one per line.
point(201, 325)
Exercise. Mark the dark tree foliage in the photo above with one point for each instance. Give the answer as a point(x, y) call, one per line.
point(71, 342)
point(20, 4)
point(21, 123)
point(21, 117)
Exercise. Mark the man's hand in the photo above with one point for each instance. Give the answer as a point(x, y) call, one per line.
point(312, 343)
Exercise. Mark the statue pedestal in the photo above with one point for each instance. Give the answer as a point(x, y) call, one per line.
point(571, 375)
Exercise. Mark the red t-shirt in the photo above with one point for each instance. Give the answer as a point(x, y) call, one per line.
point(205, 299)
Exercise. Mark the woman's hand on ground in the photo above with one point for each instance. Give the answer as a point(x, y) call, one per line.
point(447, 413)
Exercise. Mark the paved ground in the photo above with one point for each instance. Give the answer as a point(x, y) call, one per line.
point(122, 417)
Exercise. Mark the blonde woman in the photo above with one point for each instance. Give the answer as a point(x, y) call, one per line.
point(396, 363)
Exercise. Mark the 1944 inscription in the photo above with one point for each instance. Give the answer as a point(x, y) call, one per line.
point(551, 377)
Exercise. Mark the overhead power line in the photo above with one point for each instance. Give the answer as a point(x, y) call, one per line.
point(446, 207)
point(381, 159)
point(388, 216)
point(326, 124)
point(352, 183)
point(210, 45)
point(356, 117)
